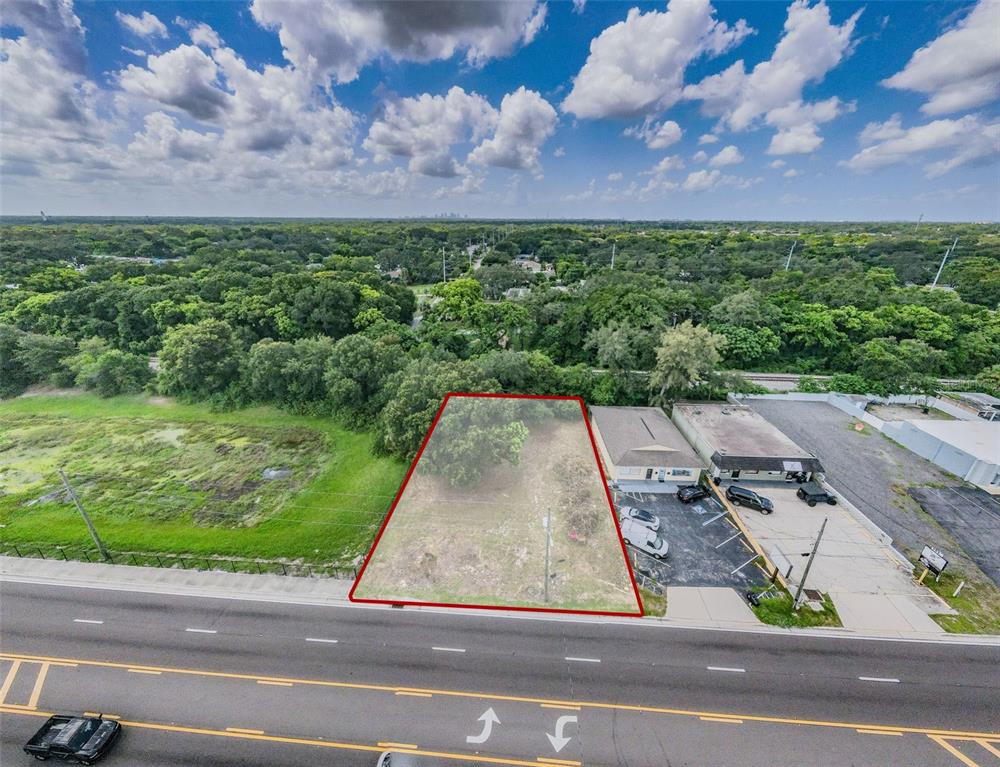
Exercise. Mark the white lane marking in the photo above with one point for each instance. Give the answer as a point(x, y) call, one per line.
point(583, 660)
point(87, 620)
point(318, 639)
point(160, 589)
point(727, 668)
point(202, 631)
point(449, 649)
point(879, 679)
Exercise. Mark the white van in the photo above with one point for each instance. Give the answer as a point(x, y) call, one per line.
point(642, 538)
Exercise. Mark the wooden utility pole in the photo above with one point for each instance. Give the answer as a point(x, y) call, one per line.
point(79, 507)
point(548, 546)
point(809, 564)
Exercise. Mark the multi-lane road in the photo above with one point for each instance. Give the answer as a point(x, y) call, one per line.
point(203, 681)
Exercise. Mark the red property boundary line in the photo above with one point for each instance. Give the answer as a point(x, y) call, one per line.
point(406, 480)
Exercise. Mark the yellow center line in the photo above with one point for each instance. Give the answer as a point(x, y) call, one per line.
point(36, 691)
point(878, 732)
point(989, 747)
point(244, 731)
point(276, 684)
point(953, 751)
point(391, 744)
point(723, 719)
point(143, 671)
point(101, 714)
point(413, 694)
point(561, 706)
point(9, 680)
point(992, 736)
point(547, 760)
point(299, 741)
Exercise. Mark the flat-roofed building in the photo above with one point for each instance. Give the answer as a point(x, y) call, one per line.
point(968, 449)
point(738, 443)
point(640, 444)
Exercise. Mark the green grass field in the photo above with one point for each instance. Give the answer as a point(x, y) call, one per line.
point(161, 477)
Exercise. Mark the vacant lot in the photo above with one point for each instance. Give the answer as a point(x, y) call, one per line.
point(157, 476)
point(478, 535)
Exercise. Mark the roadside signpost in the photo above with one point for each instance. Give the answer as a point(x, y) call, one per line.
point(933, 561)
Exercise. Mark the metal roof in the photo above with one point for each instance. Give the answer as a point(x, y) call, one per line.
point(643, 436)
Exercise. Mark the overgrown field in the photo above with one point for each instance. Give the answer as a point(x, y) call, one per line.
point(161, 477)
point(471, 528)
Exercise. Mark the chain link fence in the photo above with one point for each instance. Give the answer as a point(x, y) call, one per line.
point(180, 561)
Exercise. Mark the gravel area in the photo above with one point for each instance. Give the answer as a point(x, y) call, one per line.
point(874, 473)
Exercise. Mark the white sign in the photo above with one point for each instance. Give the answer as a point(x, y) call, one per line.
point(933, 560)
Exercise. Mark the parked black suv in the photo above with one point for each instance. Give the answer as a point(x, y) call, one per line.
point(740, 496)
point(813, 493)
point(691, 493)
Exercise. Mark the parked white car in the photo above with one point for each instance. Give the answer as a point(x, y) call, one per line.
point(641, 516)
point(644, 539)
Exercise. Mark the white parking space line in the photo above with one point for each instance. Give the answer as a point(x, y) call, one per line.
point(736, 535)
point(324, 641)
point(727, 668)
point(202, 631)
point(744, 564)
point(449, 649)
point(583, 660)
point(713, 519)
point(889, 679)
point(87, 620)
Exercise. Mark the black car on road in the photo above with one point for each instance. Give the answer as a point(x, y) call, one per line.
point(80, 739)
point(692, 493)
point(813, 493)
point(740, 496)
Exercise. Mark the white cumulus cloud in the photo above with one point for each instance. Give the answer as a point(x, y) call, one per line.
point(729, 155)
point(147, 25)
point(526, 120)
point(637, 66)
point(961, 68)
point(337, 38)
point(957, 142)
point(772, 93)
point(657, 135)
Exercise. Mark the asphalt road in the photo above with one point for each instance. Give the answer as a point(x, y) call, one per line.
point(222, 682)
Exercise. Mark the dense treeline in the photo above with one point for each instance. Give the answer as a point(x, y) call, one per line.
point(319, 316)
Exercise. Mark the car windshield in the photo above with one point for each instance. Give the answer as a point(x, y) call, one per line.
point(75, 733)
point(102, 733)
point(657, 542)
point(644, 515)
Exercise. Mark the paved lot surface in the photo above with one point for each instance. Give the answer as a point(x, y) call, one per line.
point(973, 517)
point(873, 473)
point(871, 589)
point(706, 548)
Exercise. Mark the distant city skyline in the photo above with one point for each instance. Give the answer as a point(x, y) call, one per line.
point(687, 110)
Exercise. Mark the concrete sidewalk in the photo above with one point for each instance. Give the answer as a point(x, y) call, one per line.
point(705, 608)
point(164, 580)
point(710, 605)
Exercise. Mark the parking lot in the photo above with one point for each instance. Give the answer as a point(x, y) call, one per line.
point(706, 548)
point(876, 475)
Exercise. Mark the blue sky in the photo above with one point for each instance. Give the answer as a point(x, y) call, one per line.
point(686, 109)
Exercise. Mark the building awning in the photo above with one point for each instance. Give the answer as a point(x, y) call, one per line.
point(728, 462)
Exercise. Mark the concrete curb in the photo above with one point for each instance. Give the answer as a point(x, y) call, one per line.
point(326, 592)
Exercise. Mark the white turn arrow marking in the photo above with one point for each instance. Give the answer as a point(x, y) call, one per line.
point(489, 718)
point(558, 741)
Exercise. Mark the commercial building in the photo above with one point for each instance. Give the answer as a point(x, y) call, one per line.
point(640, 444)
point(738, 443)
point(968, 449)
